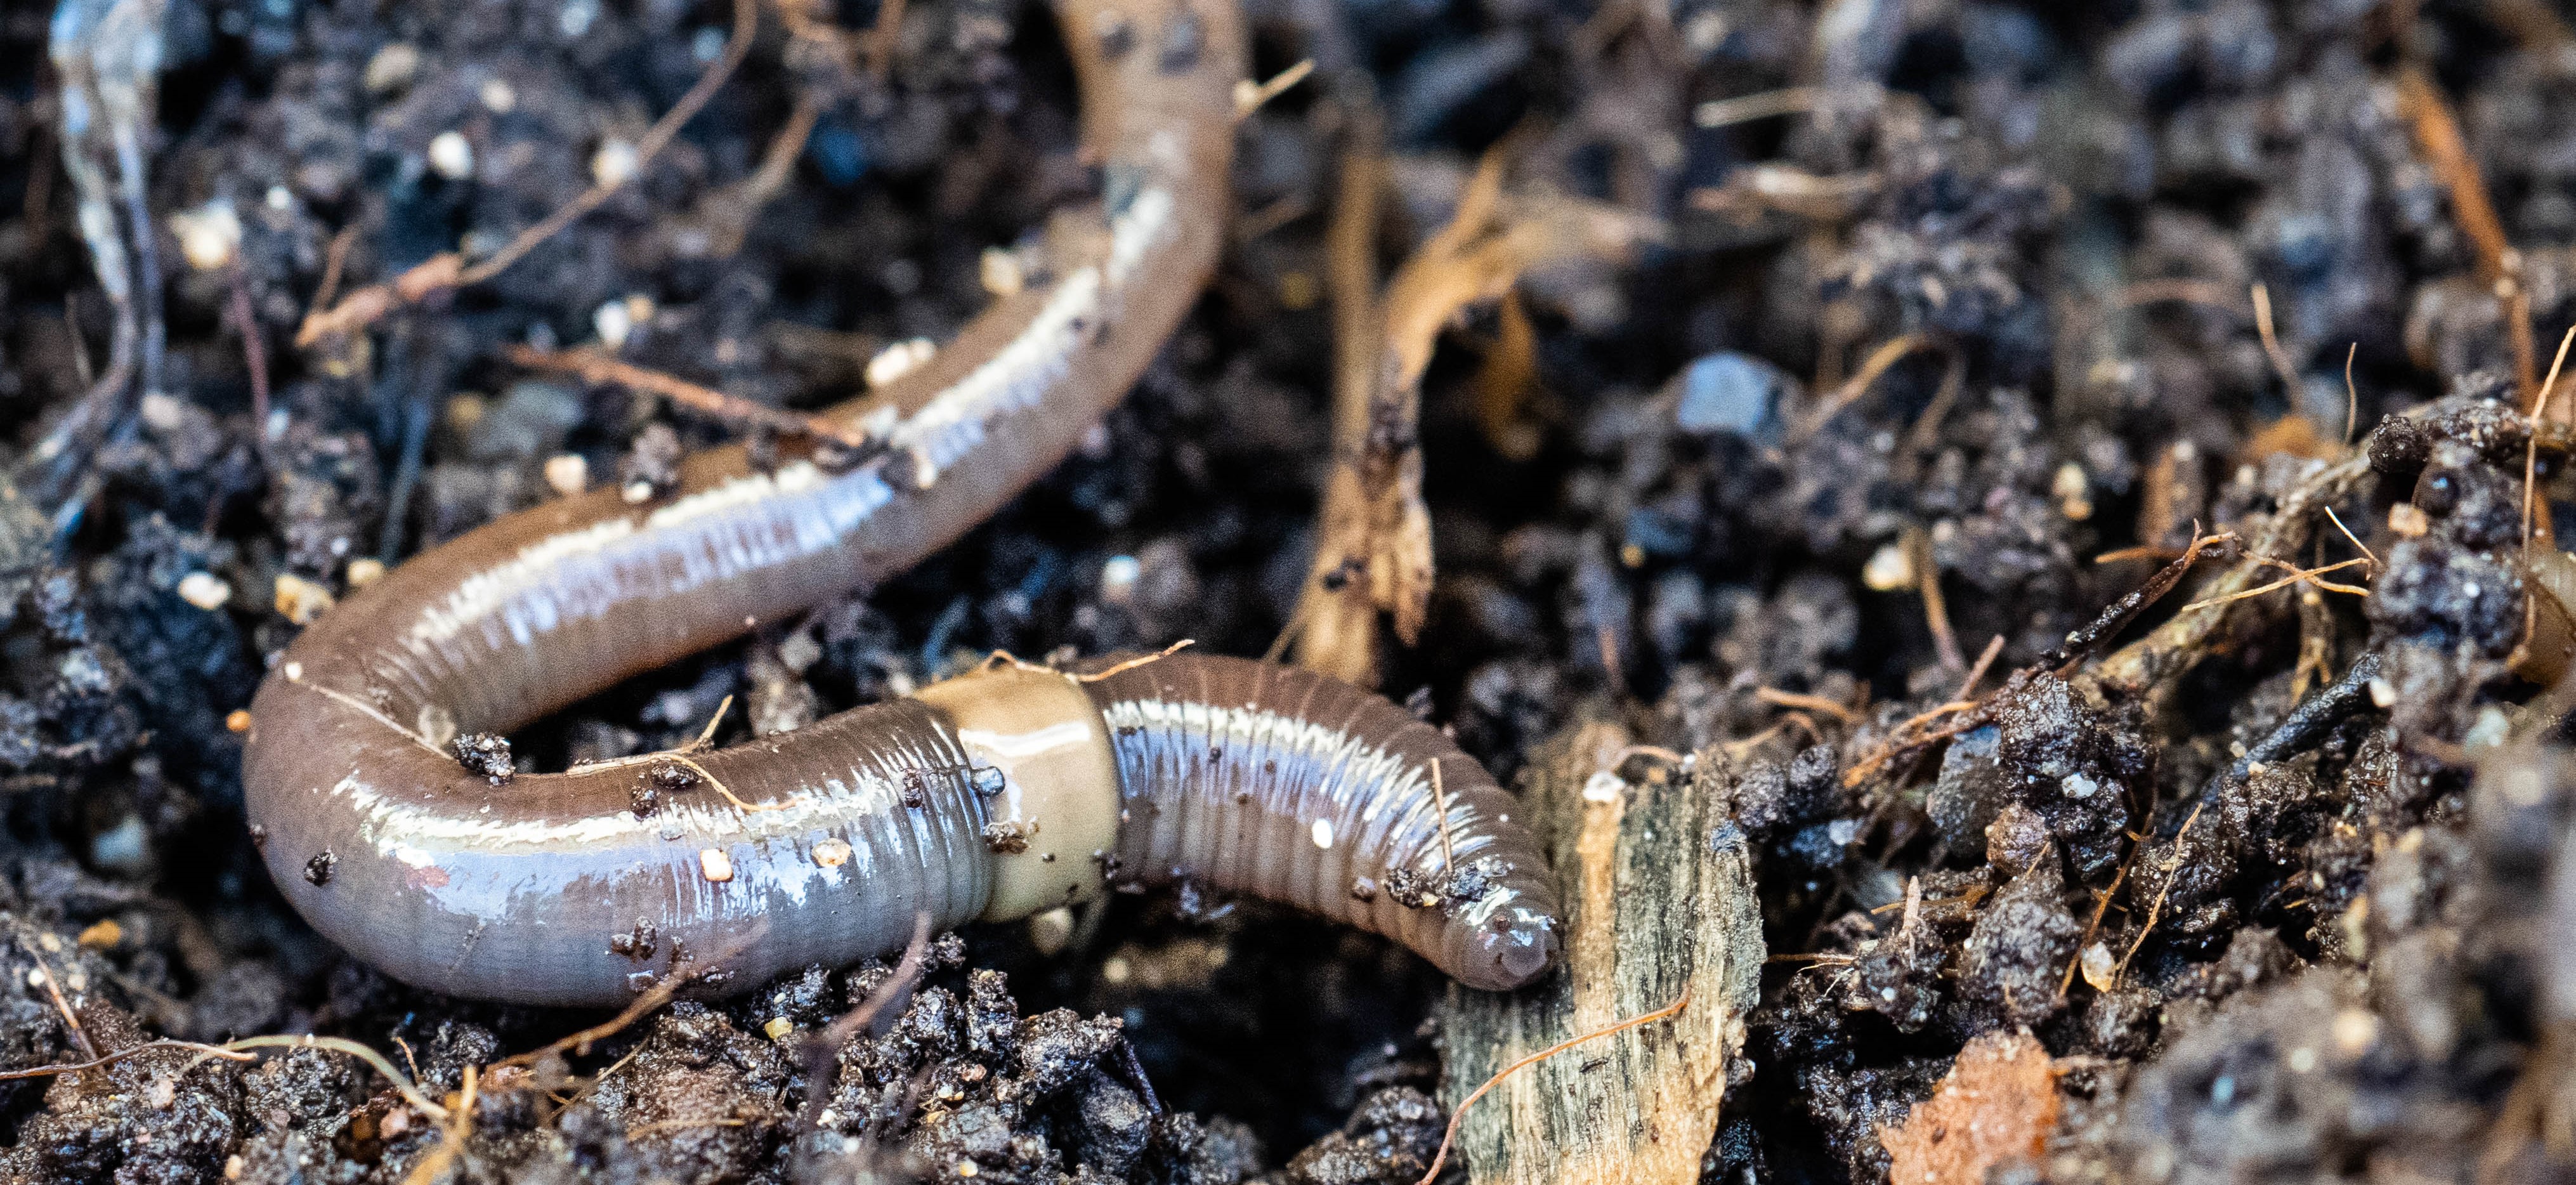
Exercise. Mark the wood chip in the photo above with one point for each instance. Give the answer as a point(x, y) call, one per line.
point(1997, 1105)
point(1658, 896)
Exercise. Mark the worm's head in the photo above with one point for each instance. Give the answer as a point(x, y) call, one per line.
point(1514, 943)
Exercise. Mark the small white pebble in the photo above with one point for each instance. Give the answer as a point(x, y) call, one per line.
point(209, 236)
point(1324, 834)
point(280, 199)
point(234, 1166)
point(364, 571)
point(779, 1028)
point(2383, 693)
point(1115, 970)
point(2491, 729)
point(1604, 786)
point(1889, 569)
point(832, 852)
point(2079, 786)
point(295, 671)
point(499, 97)
point(715, 865)
point(1001, 272)
point(2407, 521)
point(567, 473)
point(162, 413)
point(613, 163)
point(1118, 578)
point(898, 360)
point(205, 591)
point(392, 67)
point(451, 155)
point(637, 493)
point(614, 323)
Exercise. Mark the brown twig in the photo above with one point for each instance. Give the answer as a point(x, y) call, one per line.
point(596, 367)
point(2538, 526)
point(1440, 1159)
point(1887, 355)
point(1936, 608)
point(2280, 358)
point(2171, 869)
point(109, 1059)
point(1814, 703)
point(54, 989)
point(2438, 137)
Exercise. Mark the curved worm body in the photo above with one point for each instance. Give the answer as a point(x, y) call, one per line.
point(991, 796)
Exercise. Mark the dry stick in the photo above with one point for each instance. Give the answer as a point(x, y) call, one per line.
point(1886, 355)
point(120, 1055)
point(2280, 358)
point(1793, 699)
point(2296, 576)
point(254, 354)
point(1936, 608)
point(1440, 800)
point(1720, 113)
point(1250, 96)
point(2437, 136)
point(377, 1061)
point(2157, 910)
point(599, 368)
point(335, 258)
point(1441, 1159)
point(819, 1048)
point(2355, 540)
point(448, 270)
point(2531, 450)
point(1985, 658)
point(2100, 907)
point(60, 1005)
point(2351, 394)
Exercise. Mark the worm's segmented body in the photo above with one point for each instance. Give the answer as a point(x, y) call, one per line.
point(991, 796)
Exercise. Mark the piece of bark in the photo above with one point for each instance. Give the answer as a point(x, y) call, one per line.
point(1996, 1106)
point(1658, 893)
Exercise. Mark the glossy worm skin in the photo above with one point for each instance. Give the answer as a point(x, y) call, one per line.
point(987, 797)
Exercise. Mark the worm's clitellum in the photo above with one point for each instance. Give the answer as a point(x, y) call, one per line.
point(991, 796)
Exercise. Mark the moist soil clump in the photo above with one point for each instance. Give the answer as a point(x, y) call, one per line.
point(2002, 313)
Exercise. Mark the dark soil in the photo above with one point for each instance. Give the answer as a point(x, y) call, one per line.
point(2274, 923)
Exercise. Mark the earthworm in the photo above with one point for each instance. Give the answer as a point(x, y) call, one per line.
point(1000, 794)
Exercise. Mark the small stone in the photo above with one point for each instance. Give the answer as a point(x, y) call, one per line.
point(498, 97)
point(1001, 272)
point(302, 600)
point(1323, 833)
point(779, 1028)
point(209, 236)
point(2407, 521)
point(238, 720)
point(832, 853)
point(205, 591)
point(1889, 569)
point(363, 572)
point(451, 155)
point(1009, 837)
point(613, 323)
point(715, 865)
point(102, 935)
point(567, 473)
point(614, 163)
point(317, 871)
point(1731, 392)
point(392, 68)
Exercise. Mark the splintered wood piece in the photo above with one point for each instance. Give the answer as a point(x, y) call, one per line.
point(1658, 892)
point(1997, 1105)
